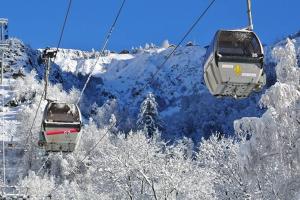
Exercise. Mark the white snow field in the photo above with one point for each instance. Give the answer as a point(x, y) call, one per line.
point(250, 149)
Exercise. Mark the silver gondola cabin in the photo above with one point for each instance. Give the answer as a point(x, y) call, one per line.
point(234, 64)
point(60, 127)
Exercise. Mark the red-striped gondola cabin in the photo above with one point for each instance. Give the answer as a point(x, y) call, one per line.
point(60, 127)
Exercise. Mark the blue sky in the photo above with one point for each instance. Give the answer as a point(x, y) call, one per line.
point(38, 22)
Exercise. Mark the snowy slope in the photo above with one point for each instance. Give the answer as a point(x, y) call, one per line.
point(185, 104)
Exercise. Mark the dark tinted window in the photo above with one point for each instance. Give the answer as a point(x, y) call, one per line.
point(60, 112)
point(236, 43)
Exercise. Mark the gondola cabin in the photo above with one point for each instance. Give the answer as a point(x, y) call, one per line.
point(233, 64)
point(60, 127)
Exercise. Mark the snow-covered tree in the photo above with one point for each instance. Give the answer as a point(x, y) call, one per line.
point(270, 158)
point(70, 190)
point(25, 89)
point(221, 155)
point(152, 46)
point(37, 187)
point(148, 119)
point(147, 46)
point(133, 167)
point(165, 44)
point(286, 69)
point(103, 114)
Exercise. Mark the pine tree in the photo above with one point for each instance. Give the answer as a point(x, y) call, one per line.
point(147, 46)
point(148, 119)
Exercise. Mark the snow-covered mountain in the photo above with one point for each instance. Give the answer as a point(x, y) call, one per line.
point(261, 161)
point(185, 105)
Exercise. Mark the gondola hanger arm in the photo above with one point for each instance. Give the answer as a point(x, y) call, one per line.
point(249, 12)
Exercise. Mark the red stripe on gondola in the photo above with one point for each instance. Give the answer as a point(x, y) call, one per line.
point(62, 131)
